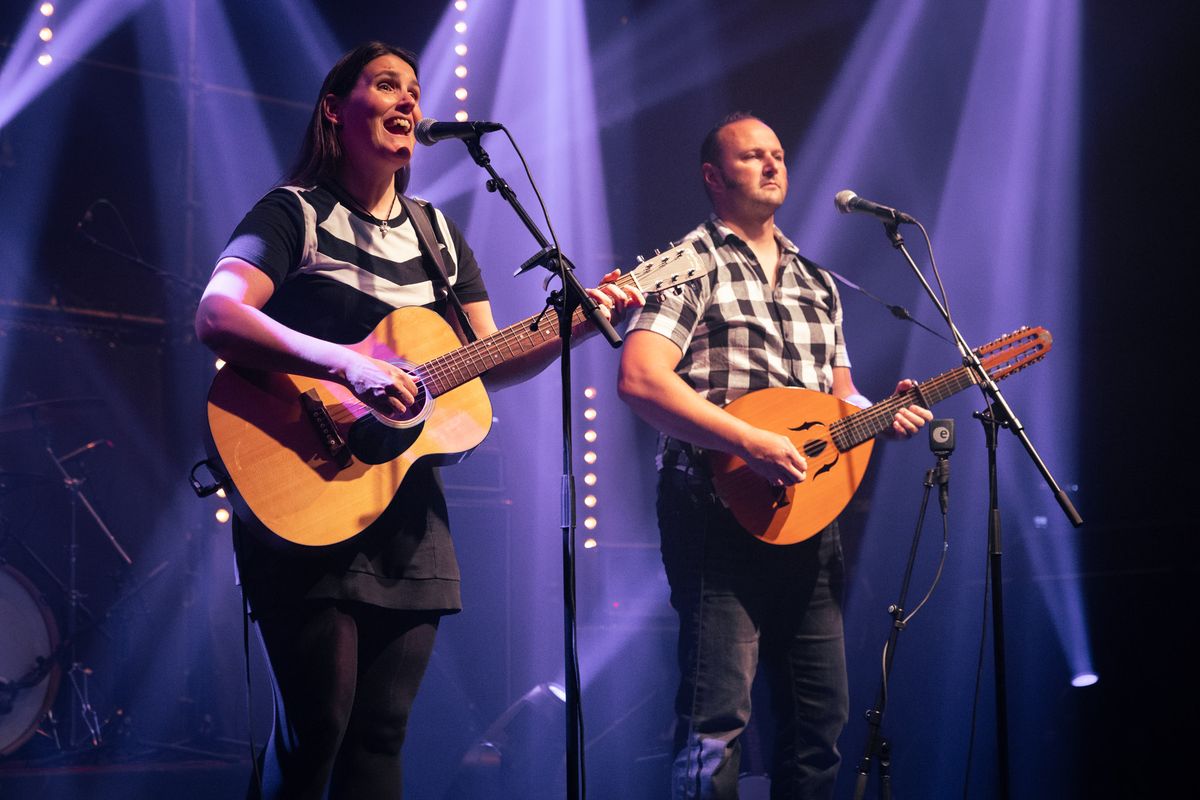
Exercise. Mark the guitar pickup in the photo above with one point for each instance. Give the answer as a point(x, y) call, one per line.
point(335, 446)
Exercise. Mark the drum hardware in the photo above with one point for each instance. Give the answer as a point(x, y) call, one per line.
point(39, 417)
point(81, 729)
point(78, 674)
point(39, 414)
point(30, 640)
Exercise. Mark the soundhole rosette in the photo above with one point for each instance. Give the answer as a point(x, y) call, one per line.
point(421, 408)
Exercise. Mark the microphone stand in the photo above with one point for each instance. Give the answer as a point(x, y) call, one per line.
point(563, 302)
point(878, 748)
point(1000, 414)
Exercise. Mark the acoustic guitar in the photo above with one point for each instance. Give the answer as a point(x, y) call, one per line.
point(836, 439)
point(315, 466)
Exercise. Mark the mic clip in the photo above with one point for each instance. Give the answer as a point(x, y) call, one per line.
point(546, 257)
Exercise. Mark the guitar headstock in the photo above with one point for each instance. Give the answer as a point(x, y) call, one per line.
point(1015, 351)
point(661, 271)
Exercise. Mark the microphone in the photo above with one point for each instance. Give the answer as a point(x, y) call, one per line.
point(430, 131)
point(847, 201)
point(941, 442)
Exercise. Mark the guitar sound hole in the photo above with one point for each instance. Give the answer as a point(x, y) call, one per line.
point(373, 442)
point(814, 447)
point(416, 411)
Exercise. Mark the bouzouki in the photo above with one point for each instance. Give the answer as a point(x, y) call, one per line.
point(836, 439)
point(315, 466)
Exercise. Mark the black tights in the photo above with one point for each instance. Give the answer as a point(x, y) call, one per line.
point(346, 675)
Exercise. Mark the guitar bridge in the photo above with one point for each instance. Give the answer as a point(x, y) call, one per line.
point(335, 446)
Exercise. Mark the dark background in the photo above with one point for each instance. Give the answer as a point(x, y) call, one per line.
point(109, 341)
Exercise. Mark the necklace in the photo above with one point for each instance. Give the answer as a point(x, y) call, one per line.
point(384, 224)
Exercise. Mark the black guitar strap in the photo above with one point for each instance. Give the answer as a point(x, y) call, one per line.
point(419, 214)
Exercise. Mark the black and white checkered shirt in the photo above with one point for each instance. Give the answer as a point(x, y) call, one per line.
point(737, 335)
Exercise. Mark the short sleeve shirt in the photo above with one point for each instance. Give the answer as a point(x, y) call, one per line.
point(737, 334)
point(336, 275)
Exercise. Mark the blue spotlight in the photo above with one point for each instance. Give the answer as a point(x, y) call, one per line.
point(1084, 679)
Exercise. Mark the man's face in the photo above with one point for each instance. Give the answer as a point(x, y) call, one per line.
point(750, 170)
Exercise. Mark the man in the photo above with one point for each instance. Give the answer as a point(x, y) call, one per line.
point(763, 317)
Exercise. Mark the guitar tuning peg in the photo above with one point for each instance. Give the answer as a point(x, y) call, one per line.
point(657, 252)
point(678, 290)
point(640, 259)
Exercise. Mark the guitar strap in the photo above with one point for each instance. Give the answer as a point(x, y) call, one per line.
point(419, 214)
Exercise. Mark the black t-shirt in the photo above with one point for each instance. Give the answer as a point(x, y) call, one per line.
point(336, 275)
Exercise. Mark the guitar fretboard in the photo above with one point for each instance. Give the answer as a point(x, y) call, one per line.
point(849, 432)
point(453, 369)
point(1000, 358)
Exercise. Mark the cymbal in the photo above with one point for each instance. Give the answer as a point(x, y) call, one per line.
point(40, 413)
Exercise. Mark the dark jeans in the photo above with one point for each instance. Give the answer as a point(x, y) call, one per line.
point(743, 603)
point(346, 675)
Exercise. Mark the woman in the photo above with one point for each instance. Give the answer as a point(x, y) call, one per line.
point(317, 263)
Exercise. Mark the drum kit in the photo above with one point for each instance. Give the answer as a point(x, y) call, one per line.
point(37, 656)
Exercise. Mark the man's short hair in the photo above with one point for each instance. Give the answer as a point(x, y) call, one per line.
point(710, 147)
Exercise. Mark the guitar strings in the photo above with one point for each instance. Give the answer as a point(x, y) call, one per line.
point(450, 370)
point(857, 428)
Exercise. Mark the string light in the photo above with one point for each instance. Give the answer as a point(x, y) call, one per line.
point(46, 34)
point(590, 457)
point(460, 70)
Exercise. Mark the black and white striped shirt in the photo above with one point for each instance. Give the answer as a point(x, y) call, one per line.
point(737, 334)
point(335, 275)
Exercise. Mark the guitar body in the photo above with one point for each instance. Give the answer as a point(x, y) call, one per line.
point(795, 513)
point(281, 465)
point(836, 439)
point(315, 466)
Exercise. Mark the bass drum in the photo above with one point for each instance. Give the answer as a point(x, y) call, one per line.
point(27, 633)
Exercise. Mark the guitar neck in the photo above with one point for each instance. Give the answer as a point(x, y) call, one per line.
point(851, 431)
point(455, 368)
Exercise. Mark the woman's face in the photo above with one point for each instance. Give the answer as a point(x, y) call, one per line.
point(377, 119)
